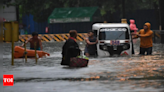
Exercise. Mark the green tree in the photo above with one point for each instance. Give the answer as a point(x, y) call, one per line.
point(4, 3)
point(41, 9)
point(161, 13)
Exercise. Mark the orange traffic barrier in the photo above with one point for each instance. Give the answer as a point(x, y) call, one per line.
point(19, 53)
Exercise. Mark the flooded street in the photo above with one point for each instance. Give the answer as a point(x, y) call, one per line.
point(103, 74)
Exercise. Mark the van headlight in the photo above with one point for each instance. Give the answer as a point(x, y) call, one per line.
point(105, 48)
point(125, 47)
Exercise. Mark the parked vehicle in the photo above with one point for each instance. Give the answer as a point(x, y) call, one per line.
point(113, 39)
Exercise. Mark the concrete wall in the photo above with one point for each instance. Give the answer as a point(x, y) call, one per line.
point(9, 13)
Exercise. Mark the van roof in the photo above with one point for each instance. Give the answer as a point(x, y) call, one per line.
point(100, 25)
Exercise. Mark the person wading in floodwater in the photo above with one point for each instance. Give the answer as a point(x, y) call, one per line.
point(32, 41)
point(146, 42)
point(91, 49)
point(133, 29)
point(70, 48)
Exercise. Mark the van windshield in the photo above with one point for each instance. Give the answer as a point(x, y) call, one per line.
point(113, 34)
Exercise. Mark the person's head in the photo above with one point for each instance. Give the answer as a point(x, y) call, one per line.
point(35, 35)
point(132, 21)
point(90, 33)
point(147, 26)
point(73, 33)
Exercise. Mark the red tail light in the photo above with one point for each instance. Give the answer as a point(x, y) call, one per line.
point(101, 41)
point(126, 41)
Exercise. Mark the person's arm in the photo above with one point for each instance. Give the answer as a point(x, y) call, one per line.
point(90, 43)
point(136, 35)
point(145, 35)
point(96, 41)
point(26, 42)
point(133, 33)
point(40, 44)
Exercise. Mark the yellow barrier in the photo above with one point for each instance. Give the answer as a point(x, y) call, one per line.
point(54, 37)
point(61, 37)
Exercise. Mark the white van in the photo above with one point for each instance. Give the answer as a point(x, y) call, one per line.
point(113, 39)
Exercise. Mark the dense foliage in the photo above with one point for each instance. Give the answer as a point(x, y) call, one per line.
point(41, 9)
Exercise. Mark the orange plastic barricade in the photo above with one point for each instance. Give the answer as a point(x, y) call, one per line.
point(19, 53)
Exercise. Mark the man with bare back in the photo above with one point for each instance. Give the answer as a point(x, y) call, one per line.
point(33, 40)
